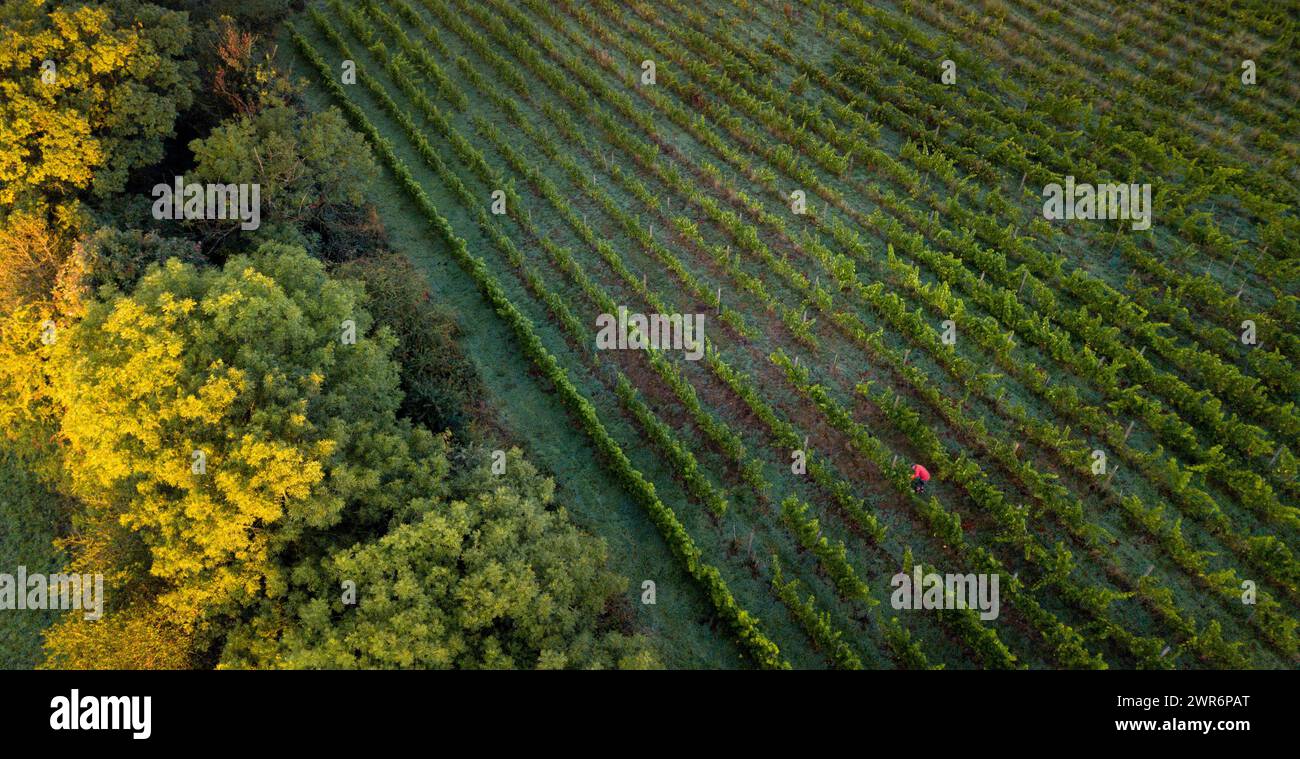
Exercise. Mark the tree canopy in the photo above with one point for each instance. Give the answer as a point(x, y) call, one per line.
point(492, 576)
point(308, 165)
point(239, 457)
point(88, 92)
point(205, 408)
point(227, 432)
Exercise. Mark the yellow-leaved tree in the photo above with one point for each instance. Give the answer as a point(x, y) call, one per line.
point(88, 91)
point(200, 413)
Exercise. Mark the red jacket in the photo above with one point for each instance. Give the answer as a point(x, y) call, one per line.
point(920, 472)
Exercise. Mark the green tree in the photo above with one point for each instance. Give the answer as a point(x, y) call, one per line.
point(492, 577)
point(438, 382)
point(118, 258)
point(29, 511)
point(312, 169)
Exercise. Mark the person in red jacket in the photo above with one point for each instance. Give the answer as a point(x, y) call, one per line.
point(920, 476)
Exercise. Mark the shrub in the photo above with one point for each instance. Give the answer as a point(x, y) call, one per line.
point(438, 382)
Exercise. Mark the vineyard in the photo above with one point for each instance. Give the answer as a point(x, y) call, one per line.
point(852, 196)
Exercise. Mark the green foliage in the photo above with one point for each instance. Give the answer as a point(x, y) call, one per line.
point(308, 479)
point(118, 258)
point(1000, 287)
point(254, 14)
point(312, 170)
point(832, 556)
point(30, 513)
point(746, 628)
point(438, 383)
point(815, 622)
point(492, 577)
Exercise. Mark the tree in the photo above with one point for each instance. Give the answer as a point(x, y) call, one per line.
point(203, 410)
point(29, 511)
point(240, 79)
point(253, 14)
point(492, 577)
point(31, 255)
point(118, 258)
point(29, 415)
point(87, 93)
point(141, 636)
point(311, 168)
